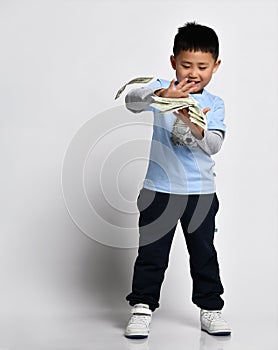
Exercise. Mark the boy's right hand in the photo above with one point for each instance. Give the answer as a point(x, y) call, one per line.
point(181, 90)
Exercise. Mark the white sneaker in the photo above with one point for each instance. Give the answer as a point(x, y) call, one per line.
point(138, 326)
point(213, 323)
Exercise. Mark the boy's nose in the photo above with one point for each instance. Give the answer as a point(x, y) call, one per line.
point(193, 74)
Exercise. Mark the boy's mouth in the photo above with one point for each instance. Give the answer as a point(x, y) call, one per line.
point(193, 81)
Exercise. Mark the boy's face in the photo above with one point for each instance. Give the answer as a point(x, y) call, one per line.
point(197, 66)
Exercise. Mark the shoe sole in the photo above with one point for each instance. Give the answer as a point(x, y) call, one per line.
point(220, 333)
point(136, 336)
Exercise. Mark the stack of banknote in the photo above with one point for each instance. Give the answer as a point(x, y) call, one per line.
point(181, 133)
point(170, 105)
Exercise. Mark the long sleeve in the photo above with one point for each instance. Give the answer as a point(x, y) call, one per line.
point(138, 100)
point(214, 135)
point(211, 142)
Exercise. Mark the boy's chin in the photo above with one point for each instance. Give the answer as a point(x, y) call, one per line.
point(196, 90)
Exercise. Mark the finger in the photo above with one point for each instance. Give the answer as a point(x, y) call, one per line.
point(184, 109)
point(178, 113)
point(181, 112)
point(188, 87)
point(206, 110)
point(181, 84)
point(172, 84)
point(184, 112)
point(184, 94)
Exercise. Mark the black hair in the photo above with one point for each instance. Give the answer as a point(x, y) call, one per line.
point(196, 37)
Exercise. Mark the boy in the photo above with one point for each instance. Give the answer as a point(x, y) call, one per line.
point(179, 185)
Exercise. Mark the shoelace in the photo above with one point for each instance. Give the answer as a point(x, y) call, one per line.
point(213, 316)
point(140, 318)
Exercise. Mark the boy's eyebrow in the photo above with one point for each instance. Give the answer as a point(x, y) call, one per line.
point(200, 63)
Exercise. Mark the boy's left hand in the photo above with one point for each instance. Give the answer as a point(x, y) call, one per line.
point(196, 130)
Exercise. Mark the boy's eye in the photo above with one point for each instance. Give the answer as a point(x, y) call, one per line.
point(203, 68)
point(186, 67)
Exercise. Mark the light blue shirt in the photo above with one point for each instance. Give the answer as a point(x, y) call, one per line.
point(181, 169)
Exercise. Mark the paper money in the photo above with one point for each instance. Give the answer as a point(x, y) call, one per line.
point(170, 105)
point(139, 80)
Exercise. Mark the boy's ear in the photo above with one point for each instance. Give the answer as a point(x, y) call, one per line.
point(216, 65)
point(173, 62)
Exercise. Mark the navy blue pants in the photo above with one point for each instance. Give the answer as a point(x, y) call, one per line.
point(159, 215)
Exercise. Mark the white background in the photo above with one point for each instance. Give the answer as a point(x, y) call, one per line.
point(61, 63)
